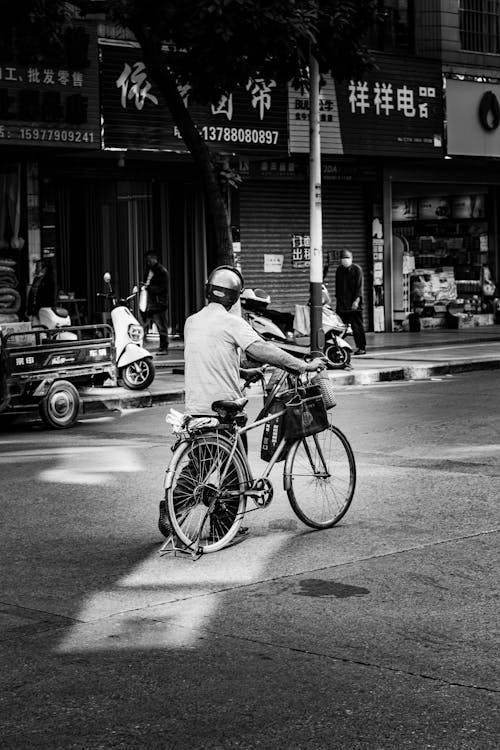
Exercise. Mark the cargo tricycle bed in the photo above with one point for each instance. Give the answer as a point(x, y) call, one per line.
point(42, 369)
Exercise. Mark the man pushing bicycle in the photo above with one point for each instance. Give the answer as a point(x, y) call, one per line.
point(215, 339)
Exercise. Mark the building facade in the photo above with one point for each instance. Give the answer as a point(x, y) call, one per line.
point(93, 173)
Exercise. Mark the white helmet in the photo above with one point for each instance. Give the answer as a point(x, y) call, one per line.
point(224, 286)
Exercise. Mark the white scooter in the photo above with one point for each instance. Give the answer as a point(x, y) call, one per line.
point(54, 317)
point(134, 363)
point(283, 329)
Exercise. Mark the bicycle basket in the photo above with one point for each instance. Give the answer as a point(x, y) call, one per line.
point(305, 413)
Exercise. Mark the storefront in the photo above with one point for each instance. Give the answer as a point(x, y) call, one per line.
point(394, 114)
point(443, 251)
point(48, 109)
point(274, 226)
point(156, 178)
point(444, 220)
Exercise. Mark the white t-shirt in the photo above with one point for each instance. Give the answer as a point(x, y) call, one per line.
point(213, 340)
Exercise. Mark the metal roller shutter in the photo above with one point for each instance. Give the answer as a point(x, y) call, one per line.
point(270, 212)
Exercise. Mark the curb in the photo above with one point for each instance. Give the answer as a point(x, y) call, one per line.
point(98, 402)
point(414, 372)
point(93, 403)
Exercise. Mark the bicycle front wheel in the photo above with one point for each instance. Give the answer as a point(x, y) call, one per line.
point(205, 498)
point(320, 478)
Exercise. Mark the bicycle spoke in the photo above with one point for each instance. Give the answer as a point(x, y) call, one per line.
point(321, 478)
point(206, 501)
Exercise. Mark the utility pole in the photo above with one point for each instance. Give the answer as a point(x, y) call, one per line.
point(315, 211)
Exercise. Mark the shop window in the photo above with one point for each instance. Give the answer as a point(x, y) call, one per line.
point(480, 26)
point(394, 30)
point(442, 258)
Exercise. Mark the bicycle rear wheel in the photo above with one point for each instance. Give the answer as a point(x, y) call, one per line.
point(205, 500)
point(320, 478)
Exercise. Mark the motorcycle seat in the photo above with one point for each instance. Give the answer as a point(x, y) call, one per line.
point(61, 312)
point(230, 407)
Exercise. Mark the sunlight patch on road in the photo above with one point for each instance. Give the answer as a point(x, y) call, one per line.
point(93, 465)
point(165, 601)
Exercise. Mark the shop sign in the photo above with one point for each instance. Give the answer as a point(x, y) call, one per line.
point(434, 208)
point(473, 118)
point(394, 110)
point(252, 120)
point(277, 170)
point(301, 251)
point(468, 206)
point(404, 209)
point(53, 105)
point(337, 172)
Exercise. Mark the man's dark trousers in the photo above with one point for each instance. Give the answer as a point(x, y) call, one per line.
point(160, 319)
point(355, 318)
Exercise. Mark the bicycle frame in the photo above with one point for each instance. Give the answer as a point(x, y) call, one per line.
point(261, 420)
point(233, 452)
point(239, 445)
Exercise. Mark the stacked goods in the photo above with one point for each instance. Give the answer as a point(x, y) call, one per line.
point(10, 299)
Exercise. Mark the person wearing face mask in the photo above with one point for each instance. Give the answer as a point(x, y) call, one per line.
point(349, 290)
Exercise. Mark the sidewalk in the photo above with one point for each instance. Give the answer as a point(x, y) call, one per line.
point(390, 356)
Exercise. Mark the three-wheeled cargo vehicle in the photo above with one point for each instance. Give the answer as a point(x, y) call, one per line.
point(43, 369)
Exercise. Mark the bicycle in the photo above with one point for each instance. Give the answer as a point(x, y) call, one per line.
point(209, 478)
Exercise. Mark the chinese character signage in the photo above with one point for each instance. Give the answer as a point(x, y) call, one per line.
point(301, 251)
point(394, 110)
point(253, 119)
point(53, 104)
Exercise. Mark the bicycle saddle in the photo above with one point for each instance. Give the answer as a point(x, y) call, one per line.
point(230, 407)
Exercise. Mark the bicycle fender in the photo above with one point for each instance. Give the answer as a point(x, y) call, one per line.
point(287, 478)
point(169, 474)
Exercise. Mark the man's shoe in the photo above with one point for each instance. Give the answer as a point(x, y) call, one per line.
point(163, 520)
point(360, 351)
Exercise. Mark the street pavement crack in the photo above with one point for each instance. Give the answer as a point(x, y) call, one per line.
point(356, 662)
point(296, 574)
point(428, 464)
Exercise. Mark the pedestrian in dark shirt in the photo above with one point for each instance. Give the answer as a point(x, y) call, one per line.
point(43, 289)
point(349, 293)
point(157, 306)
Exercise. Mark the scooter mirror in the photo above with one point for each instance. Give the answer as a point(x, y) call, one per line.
point(107, 277)
point(135, 289)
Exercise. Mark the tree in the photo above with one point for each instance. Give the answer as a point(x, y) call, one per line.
point(222, 45)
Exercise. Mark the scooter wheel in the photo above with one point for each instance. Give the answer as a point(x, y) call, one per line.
point(138, 375)
point(338, 357)
point(60, 406)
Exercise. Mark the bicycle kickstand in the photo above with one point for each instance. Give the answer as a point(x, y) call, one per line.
point(170, 546)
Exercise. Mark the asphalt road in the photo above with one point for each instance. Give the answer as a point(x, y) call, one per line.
point(380, 633)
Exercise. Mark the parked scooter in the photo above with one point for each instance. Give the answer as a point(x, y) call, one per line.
point(280, 328)
point(54, 317)
point(134, 363)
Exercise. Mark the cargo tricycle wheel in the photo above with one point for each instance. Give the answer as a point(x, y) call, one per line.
point(60, 406)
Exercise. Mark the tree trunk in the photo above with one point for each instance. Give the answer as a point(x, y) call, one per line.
point(156, 66)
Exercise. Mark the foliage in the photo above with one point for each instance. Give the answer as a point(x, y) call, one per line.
point(35, 29)
point(220, 45)
point(227, 42)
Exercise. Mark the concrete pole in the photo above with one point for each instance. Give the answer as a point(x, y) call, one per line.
point(315, 211)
